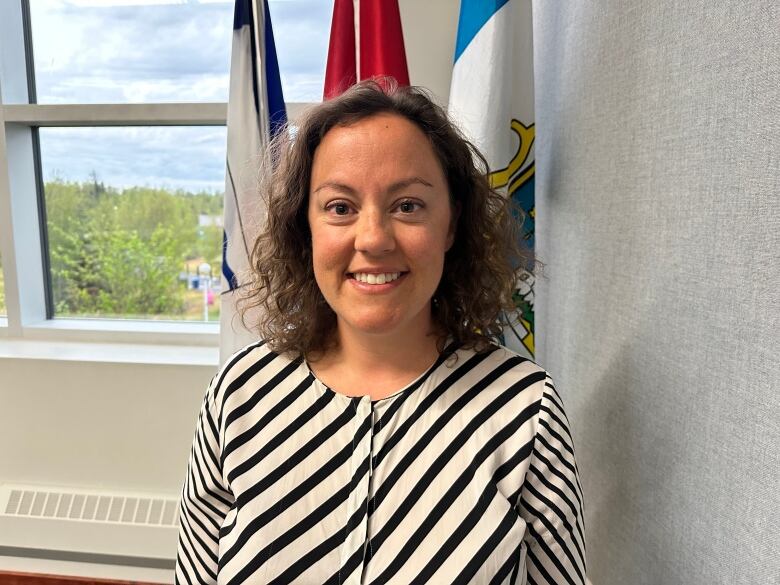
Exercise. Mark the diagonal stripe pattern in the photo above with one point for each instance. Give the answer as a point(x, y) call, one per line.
point(466, 475)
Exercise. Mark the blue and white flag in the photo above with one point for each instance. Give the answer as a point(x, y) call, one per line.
point(492, 100)
point(256, 113)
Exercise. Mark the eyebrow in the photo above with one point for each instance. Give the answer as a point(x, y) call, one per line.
point(403, 184)
point(394, 188)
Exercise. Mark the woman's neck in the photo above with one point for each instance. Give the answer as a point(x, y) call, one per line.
point(375, 364)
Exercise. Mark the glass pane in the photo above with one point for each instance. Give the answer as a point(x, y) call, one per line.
point(134, 219)
point(131, 51)
point(301, 33)
point(136, 51)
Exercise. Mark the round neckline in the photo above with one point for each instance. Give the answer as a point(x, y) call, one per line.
point(417, 382)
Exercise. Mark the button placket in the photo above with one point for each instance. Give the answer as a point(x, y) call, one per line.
point(369, 444)
point(360, 451)
point(370, 474)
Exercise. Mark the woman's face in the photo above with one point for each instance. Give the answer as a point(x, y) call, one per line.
point(381, 222)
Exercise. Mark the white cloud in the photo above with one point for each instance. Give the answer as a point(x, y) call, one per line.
point(189, 158)
point(92, 55)
point(131, 51)
point(95, 52)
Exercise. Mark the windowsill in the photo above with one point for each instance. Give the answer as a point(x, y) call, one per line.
point(125, 331)
point(118, 353)
point(114, 341)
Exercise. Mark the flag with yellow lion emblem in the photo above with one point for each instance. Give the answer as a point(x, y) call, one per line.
point(492, 100)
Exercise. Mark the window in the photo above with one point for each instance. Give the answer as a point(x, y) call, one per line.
point(114, 113)
point(133, 214)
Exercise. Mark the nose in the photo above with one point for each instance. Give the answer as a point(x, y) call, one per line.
point(374, 233)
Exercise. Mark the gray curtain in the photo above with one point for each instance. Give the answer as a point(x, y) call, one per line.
point(658, 216)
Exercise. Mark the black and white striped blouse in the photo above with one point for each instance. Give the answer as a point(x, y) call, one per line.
point(466, 475)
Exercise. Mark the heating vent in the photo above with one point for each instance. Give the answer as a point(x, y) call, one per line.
point(92, 507)
point(88, 525)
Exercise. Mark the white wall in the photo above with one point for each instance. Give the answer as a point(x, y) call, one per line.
point(430, 28)
point(115, 426)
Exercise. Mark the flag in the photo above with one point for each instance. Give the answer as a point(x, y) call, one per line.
point(492, 101)
point(366, 40)
point(256, 113)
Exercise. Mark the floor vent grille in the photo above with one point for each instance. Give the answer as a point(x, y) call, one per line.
point(92, 507)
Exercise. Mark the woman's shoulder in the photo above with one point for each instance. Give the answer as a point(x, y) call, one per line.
point(503, 362)
point(533, 381)
point(503, 374)
point(255, 362)
point(523, 387)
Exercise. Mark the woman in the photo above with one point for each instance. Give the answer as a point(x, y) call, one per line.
point(377, 434)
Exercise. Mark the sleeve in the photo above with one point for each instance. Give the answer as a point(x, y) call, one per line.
point(205, 500)
point(551, 500)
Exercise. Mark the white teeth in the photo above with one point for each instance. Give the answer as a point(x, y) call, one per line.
point(376, 278)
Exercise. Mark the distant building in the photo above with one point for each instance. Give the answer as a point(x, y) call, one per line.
point(209, 220)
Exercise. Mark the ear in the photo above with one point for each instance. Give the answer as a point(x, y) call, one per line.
point(455, 210)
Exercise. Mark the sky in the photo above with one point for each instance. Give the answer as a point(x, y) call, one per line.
point(133, 51)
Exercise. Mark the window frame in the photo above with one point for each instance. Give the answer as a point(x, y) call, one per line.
point(22, 221)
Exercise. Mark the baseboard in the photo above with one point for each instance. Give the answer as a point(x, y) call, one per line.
point(15, 578)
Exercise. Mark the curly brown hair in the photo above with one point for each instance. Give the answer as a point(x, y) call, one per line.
point(479, 269)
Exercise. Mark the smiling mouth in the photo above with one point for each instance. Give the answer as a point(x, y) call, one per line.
point(382, 278)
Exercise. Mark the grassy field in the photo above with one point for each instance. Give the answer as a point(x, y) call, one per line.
point(194, 307)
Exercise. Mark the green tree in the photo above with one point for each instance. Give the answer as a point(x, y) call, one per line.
point(118, 252)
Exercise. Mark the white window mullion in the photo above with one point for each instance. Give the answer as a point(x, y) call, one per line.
point(20, 241)
point(13, 73)
point(164, 114)
point(24, 271)
point(172, 114)
point(11, 295)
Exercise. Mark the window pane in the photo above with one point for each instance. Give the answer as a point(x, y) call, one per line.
point(301, 32)
point(135, 51)
point(132, 214)
point(130, 51)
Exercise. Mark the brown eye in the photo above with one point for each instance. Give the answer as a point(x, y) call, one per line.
point(338, 208)
point(408, 206)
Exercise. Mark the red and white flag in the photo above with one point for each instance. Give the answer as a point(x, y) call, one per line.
point(366, 40)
